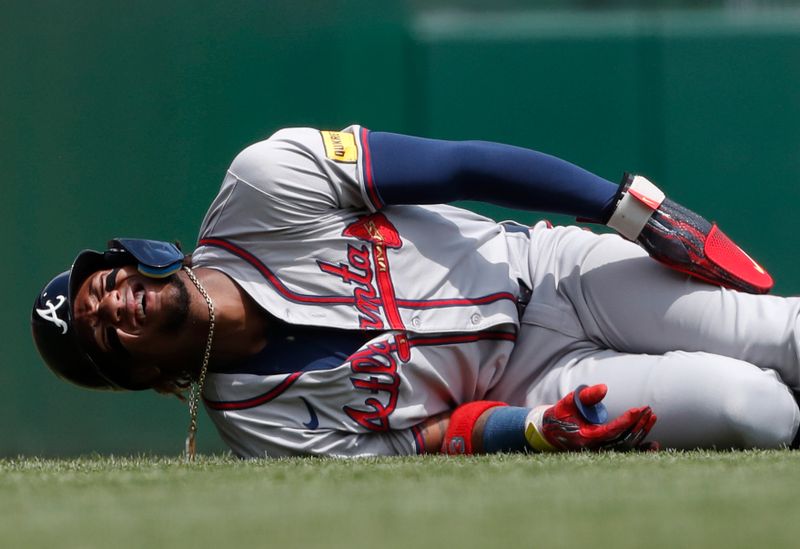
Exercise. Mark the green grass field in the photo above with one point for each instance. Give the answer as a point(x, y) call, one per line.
point(693, 499)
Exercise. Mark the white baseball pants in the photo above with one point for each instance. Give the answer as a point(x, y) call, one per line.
point(717, 366)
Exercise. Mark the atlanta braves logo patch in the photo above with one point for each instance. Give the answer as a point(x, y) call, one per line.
point(51, 313)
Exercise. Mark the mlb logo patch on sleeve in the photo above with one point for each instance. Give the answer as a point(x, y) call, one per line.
point(340, 146)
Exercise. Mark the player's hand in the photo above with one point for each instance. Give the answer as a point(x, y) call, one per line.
point(683, 240)
point(578, 422)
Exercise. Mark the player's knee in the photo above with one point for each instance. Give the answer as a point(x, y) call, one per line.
point(760, 412)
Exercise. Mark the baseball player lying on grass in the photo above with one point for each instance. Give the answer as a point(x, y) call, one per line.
point(335, 306)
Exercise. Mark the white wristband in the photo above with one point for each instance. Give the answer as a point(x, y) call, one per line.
point(635, 207)
point(533, 430)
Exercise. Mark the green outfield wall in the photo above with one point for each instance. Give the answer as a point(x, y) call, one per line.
point(120, 121)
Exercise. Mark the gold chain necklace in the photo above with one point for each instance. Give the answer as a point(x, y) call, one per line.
point(197, 386)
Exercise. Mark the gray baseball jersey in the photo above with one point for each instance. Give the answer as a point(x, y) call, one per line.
point(425, 303)
point(294, 227)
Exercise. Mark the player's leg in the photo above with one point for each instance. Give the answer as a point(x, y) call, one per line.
point(702, 400)
point(627, 302)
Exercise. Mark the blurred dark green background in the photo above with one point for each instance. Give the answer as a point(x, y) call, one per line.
point(121, 120)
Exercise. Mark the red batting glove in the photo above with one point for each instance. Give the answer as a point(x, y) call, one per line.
point(565, 427)
point(682, 239)
point(685, 241)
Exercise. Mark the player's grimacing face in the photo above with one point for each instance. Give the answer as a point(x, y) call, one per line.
point(120, 312)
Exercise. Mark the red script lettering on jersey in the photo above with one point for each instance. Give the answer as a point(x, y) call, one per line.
point(378, 364)
point(367, 265)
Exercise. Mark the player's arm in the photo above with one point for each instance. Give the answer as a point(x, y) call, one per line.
point(412, 170)
point(577, 422)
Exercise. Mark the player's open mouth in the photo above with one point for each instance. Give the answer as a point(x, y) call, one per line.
point(141, 305)
point(138, 303)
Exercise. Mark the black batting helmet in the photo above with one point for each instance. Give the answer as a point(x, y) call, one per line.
point(51, 319)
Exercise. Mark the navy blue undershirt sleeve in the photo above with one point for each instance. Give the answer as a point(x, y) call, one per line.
point(415, 170)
